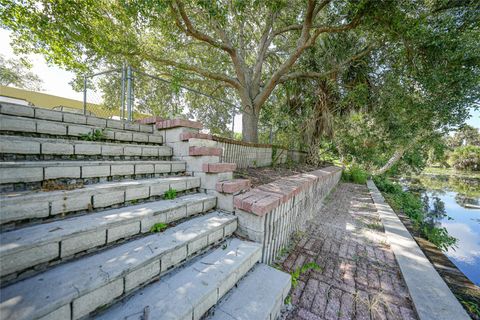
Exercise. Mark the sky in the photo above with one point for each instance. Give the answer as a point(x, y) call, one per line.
point(55, 79)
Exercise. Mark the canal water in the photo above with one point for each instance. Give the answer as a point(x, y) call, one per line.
point(454, 203)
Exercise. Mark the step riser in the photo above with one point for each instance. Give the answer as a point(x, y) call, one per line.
point(17, 148)
point(52, 250)
point(49, 129)
point(51, 205)
point(20, 176)
point(74, 118)
point(192, 291)
point(99, 280)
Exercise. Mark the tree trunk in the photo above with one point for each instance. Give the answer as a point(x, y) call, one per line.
point(394, 159)
point(249, 126)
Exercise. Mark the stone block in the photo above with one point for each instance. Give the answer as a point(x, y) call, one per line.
point(82, 242)
point(88, 149)
point(155, 139)
point(149, 120)
point(52, 128)
point(196, 163)
point(19, 147)
point(123, 231)
point(215, 236)
point(56, 172)
point(16, 209)
point(112, 150)
point(197, 245)
point(173, 257)
point(123, 136)
point(96, 171)
point(194, 208)
point(180, 148)
point(122, 169)
point(24, 259)
point(178, 166)
point(150, 152)
point(115, 124)
point(173, 134)
point(218, 167)
point(185, 136)
point(142, 275)
point(144, 168)
point(206, 303)
point(57, 148)
point(139, 137)
point(71, 203)
point(17, 110)
point(164, 151)
point(146, 128)
point(205, 151)
point(132, 126)
point(109, 134)
point(176, 214)
point(132, 151)
point(233, 186)
point(148, 222)
point(159, 188)
point(17, 124)
point(250, 226)
point(87, 303)
point(134, 193)
point(209, 180)
point(101, 200)
point(76, 131)
point(74, 118)
point(13, 175)
point(97, 122)
point(179, 185)
point(46, 114)
point(224, 201)
point(61, 313)
point(174, 123)
point(230, 228)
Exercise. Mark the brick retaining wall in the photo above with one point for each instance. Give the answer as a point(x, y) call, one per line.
point(271, 213)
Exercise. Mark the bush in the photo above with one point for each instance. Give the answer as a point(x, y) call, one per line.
point(355, 174)
point(412, 206)
point(465, 158)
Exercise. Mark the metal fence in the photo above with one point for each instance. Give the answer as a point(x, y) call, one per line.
point(131, 94)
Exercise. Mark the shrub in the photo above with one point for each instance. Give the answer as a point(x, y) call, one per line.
point(355, 174)
point(170, 194)
point(465, 158)
point(412, 206)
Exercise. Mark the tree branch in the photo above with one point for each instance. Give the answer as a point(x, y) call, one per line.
point(317, 75)
point(189, 67)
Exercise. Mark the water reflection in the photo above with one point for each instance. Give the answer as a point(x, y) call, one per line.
point(454, 203)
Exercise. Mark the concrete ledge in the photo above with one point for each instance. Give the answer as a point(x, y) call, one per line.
point(174, 123)
point(218, 167)
point(204, 151)
point(17, 247)
point(44, 205)
point(260, 295)
point(87, 284)
point(189, 293)
point(431, 297)
point(185, 136)
point(233, 186)
point(150, 120)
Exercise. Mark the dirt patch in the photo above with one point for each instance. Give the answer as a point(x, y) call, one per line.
point(264, 175)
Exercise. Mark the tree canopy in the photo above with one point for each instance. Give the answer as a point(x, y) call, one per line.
point(16, 72)
point(367, 81)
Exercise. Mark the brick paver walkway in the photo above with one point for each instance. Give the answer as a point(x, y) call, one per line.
point(358, 276)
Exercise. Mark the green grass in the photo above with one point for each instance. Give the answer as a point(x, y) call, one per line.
point(355, 174)
point(170, 194)
point(158, 227)
point(299, 271)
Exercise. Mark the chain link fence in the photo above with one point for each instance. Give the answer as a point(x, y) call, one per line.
point(130, 94)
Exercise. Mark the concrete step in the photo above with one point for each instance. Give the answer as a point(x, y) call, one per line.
point(47, 128)
point(31, 206)
point(12, 172)
point(73, 118)
point(190, 292)
point(260, 296)
point(74, 289)
point(32, 148)
point(60, 240)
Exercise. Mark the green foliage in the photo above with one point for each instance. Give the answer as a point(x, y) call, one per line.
point(355, 174)
point(170, 194)
point(299, 271)
point(412, 206)
point(158, 227)
point(95, 135)
point(15, 72)
point(465, 158)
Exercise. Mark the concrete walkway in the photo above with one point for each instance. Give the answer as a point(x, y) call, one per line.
point(358, 277)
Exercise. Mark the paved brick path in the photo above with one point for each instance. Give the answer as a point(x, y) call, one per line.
point(358, 277)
